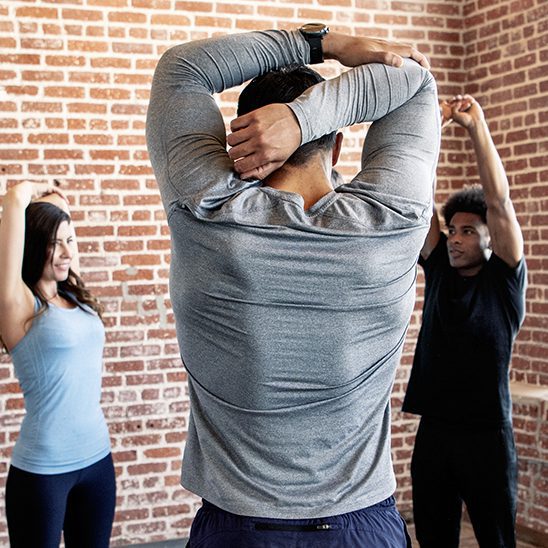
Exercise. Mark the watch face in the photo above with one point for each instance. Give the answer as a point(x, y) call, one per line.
point(315, 29)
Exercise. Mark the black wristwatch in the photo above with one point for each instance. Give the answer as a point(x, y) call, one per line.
point(313, 33)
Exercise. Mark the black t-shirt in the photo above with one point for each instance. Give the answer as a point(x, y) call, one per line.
point(460, 369)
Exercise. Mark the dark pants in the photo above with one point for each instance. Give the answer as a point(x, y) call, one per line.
point(80, 503)
point(379, 526)
point(454, 464)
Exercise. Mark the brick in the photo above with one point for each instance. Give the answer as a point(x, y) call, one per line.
point(40, 106)
point(110, 62)
point(220, 22)
point(162, 453)
point(8, 43)
point(127, 515)
point(130, 48)
point(127, 17)
point(48, 138)
point(8, 123)
point(89, 77)
point(19, 59)
point(276, 11)
point(52, 28)
point(126, 275)
point(38, 13)
point(415, 7)
point(536, 73)
point(110, 94)
point(64, 91)
point(142, 79)
point(117, 32)
point(443, 36)
point(11, 138)
point(109, 3)
point(87, 45)
point(93, 139)
point(139, 33)
point(41, 75)
point(84, 15)
point(21, 90)
point(193, 6)
point(444, 8)
point(7, 74)
point(65, 60)
point(95, 31)
point(391, 19)
point(428, 21)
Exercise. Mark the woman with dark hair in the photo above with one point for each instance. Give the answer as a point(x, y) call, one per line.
point(61, 477)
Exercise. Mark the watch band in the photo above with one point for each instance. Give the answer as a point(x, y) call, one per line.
point(314, 33)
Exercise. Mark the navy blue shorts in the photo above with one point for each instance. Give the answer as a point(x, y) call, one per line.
point(378, 526)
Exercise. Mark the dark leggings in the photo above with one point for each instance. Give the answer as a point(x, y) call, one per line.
point(455, 464)
point(79, 503)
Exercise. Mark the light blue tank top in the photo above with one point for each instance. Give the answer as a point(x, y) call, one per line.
point(58, 363)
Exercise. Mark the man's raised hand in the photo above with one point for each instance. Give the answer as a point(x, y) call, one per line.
point(262, 140)
point(352, 51)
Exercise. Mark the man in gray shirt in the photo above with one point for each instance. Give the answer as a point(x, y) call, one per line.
point(292, 298)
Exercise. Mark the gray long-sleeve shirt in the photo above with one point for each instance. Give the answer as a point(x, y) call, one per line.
point(291, 321)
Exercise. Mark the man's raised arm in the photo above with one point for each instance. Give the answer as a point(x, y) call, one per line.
point(186, 135)
point(504, 229)
point(185, 130)
point(401, 151)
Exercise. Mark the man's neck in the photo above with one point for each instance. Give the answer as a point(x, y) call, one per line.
point(312, 180)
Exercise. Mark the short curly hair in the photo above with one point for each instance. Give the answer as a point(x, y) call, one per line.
point(470, 199)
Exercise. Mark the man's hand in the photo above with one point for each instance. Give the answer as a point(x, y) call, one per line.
point(466, 111)
point(463, 109)
point(263, 140)
point(352, 51)
point(446, 113)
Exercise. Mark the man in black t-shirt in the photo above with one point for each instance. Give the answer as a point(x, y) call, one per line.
point(474, 304)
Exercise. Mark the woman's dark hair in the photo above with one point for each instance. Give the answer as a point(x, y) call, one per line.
point(42, 221)
point(468, 200)
point(283, 86)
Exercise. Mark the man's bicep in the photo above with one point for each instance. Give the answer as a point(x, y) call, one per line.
point(400, 155)
point(405, 143)
point(200, 171)
point(505, 233)
point(196, 167)
point(433, 236)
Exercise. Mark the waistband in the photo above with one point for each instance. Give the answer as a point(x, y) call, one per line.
point(308, 525)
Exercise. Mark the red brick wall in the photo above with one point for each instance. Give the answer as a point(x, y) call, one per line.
point(74, 83)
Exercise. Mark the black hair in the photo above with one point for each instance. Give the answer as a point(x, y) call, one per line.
point(470, 199)
point(42, 221)
point(283, 86)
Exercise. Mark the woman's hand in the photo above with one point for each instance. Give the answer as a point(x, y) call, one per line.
point(30, 191)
